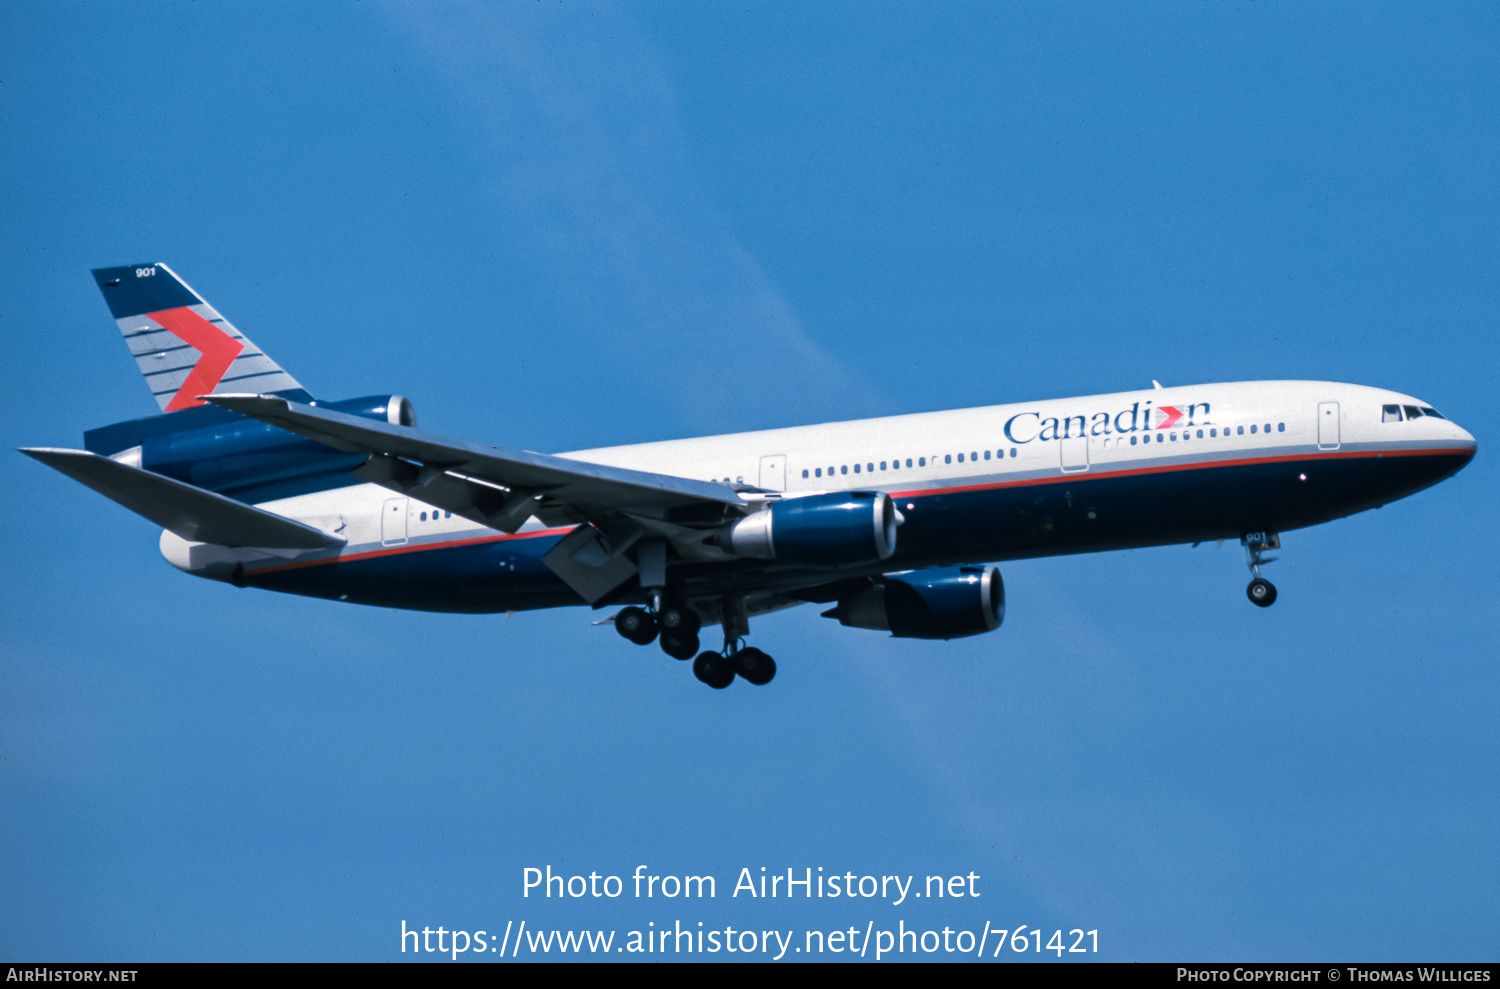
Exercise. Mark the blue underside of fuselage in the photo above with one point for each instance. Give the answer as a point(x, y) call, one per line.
point(1058, 515)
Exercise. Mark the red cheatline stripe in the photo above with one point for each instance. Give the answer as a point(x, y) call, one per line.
point(498, 537)
point(218, 350)
point(1050, 479)
point(1061, 478)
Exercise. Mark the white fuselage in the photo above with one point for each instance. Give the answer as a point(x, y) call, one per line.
point(924, 453)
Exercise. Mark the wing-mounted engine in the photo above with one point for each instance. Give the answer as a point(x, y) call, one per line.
point(843, 528)
point(942, 603)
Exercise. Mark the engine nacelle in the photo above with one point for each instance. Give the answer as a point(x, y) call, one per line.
point(237, 453)
point(942, 603)
point(831, 530)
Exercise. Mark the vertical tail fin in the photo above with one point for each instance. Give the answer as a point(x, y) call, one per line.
point(181, 344)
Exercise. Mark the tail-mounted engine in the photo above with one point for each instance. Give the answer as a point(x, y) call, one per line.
point(942, 603)
point(226, 452)
point(833, 530)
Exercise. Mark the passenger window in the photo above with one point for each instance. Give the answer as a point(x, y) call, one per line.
point(1132, 441)
point(1267, 428)
point(947, 458)
point(960, 458)
point(1213, 433)
point(973, 456)
point(804, 474)
point(1013, 452)
point(1200, 434)
point(882, 465)
point(856, 468)
point(1240, 430)
point(921, 461)
point(908, 461)
point(844, 469)
point(1160, 438)
point(447, 515)
point(1173, 436)
point(1390, 413)
point(1281, 427)
point(1412, 412)
point(986, 454)
point(818, 472)
point(424, 516)
point(870, 467)
point(1252, 430)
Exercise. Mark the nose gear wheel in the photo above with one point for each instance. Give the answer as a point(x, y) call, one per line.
point(1261, 592)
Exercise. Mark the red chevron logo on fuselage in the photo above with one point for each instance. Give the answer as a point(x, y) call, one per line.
point(217, 350)
point(1171, 412)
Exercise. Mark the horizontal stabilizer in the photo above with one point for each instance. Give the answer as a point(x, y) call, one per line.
point(594, 489)
point(190, 512)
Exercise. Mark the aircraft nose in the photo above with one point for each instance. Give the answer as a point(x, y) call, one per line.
point(1467, 439)
point(1463, 440)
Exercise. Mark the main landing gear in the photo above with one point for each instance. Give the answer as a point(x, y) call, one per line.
point(1261, 592)
point(676, 627)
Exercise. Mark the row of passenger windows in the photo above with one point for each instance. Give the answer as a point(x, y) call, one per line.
point(1187, 434)
point(1213, 433)
point(869, 468)
point(436, 515)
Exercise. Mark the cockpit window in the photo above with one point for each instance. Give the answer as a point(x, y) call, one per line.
point(1390, 413)
point(1429, 411)
point(1412, 412)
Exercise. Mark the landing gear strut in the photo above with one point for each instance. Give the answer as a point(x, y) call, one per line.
point(1261, 592)
point(675, 627)
point(718, 669)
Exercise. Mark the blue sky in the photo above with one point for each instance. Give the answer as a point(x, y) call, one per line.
point(561, 226)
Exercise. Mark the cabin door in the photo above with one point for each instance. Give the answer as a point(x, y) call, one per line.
point(1328, 425)
point(773, 472)
point(1075, 454)
point(393, 522)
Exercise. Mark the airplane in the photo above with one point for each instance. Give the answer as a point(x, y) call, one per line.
point(896, 523)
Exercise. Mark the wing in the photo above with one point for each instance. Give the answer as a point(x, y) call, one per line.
point(502, 488)
point(190, 512)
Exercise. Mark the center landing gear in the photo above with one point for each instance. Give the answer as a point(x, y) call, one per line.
point(1261, 592)
point(718, 669)
point(713, 669)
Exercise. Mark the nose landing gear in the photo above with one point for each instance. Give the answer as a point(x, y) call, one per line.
point(1261, 592)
